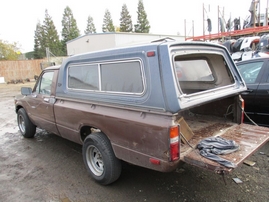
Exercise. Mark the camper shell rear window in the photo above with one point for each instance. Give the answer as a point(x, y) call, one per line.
point(201, 72)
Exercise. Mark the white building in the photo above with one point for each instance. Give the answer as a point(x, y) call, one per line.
point(101, 41)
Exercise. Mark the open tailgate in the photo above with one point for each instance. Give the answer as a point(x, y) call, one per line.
point(249, 137)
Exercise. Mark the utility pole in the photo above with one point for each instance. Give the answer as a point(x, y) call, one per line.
point(203, 19)
point(48, 53)
point(185, 29)
point(254, 14)
point(259, 12)
point(219, 22)
point(266, 15)
point(193, 28)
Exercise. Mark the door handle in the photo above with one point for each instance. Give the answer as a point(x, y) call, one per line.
point(50, 100)
point(46, 99)
point(247, 92)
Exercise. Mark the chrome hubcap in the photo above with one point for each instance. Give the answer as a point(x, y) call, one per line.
point(95, 160)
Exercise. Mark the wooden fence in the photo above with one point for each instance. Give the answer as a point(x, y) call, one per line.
point(21, 69)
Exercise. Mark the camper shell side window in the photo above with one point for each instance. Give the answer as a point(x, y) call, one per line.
point(115, 77)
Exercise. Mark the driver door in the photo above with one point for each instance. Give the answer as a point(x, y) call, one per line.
point(41, 102)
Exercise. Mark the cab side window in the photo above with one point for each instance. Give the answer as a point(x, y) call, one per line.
point(44, 85)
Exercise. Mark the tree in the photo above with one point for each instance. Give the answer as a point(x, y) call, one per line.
point(90, 26)
point(9, 51)
point(126, 24)
point(39, 49)
point(117, 29)
point(108, 23)
point(142, 25)
point(70, 29)
point(50, 37)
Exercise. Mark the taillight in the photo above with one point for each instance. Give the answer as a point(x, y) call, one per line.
point(174, 142)
point(242, 108)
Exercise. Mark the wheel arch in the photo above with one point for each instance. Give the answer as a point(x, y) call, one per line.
point(87, 129)
point(18, 107)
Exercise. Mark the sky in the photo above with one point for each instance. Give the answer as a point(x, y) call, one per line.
point(18, 18)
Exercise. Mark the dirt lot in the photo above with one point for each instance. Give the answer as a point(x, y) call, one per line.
point(49, 168)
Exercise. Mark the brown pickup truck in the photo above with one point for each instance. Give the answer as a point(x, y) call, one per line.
point(148, 105)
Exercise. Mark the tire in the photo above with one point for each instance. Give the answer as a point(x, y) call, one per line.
point(100, 160)
point(27, 128)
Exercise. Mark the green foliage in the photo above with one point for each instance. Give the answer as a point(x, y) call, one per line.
point(46, 36)
point(70, 29)
point(126, 24)
point(90, 26)
point(9, 51)
point(39, 48)
point(30, 55)
point(142, 25)
point(51, 37)
point(108, 23)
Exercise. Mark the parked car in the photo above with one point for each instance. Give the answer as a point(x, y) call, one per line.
point(255, 72)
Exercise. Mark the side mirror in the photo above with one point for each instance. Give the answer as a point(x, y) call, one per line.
point(26, 90)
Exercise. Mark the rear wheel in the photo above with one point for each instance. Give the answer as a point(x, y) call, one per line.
point(27, 128)
point(100, 159)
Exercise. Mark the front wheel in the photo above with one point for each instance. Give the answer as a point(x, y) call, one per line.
point(100, 159)
point(26, 126)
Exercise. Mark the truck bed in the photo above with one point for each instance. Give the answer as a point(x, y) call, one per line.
point(204, 126)
point(249, 137)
